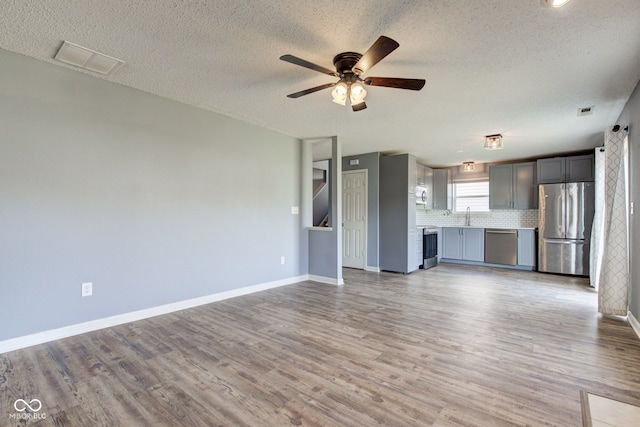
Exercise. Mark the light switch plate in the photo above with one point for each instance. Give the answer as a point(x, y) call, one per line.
point(294, 210)
point(87, 289)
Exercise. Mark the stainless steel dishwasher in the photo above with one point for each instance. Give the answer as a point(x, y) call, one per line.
point(501, 246)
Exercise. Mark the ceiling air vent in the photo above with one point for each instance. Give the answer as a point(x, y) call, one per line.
point(586, 111)
point(87, 59)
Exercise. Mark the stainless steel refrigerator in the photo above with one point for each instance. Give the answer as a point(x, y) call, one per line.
point(565, 217)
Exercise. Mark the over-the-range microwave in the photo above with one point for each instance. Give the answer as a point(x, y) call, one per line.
point(422, 195)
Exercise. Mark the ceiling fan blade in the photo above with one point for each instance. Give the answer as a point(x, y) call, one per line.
point(301, 62)
point(310, 90)
point(381, 48)
point(359, 106)
point(395, 82)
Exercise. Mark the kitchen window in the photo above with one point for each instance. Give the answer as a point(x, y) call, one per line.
point(472, 194)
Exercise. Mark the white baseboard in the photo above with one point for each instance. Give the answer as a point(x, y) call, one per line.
point(93, 325)
point(327, 280)
point(635, 325)
point(372, 269)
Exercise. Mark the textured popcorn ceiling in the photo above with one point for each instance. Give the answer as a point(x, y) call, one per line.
point(491, 66)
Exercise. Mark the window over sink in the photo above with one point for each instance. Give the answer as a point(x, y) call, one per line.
point(471, 194)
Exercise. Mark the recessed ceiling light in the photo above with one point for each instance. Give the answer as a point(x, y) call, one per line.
point(87, 59)
point(553, 3)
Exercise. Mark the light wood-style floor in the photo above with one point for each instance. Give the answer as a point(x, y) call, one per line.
point(450, 346)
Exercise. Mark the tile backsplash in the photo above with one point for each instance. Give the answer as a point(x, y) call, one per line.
point(494, 218)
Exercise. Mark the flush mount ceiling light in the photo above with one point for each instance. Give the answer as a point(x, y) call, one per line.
point(493, 142)
point(87, 59)
point(468, 167)
point(553, 3)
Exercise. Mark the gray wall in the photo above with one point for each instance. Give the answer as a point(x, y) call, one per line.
point(631, 116)
point(325, 245)
point(370, 162)
point(151, 200)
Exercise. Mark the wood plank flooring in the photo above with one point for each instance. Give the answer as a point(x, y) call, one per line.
point(450, 346)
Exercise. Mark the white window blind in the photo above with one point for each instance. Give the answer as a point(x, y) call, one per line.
point(474, 195)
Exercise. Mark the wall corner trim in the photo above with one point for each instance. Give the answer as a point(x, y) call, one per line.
point(93, 325)
point(635, 325)
point(372, 269)
point(327, 280)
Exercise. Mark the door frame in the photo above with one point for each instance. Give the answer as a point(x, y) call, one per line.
point(366, 210)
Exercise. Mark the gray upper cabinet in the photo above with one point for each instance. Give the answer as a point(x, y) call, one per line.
point(500, 187)
point(580, 168)
point(420, 169)
point(566, 169)
point(512, 186)
point(442, 197)
point(525, 194)
point(551, 170)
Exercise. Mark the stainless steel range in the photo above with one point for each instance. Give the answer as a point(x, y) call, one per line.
point(430, 246)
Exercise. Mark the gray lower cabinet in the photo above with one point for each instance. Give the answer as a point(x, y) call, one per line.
point(419, 250)
point(526, 248)
point(512, 186)
point(451, 243)
point(398, 232)
point(473, 244)
point(566, 169)
point(463, 243)
point(467, 244)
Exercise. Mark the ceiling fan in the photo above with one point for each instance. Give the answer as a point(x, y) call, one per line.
point(350, 66)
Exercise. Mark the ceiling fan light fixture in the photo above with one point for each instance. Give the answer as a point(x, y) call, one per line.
point(359, 106)
point(357, 93)
point(493, 142)
point(349, 67)
point(339, 93)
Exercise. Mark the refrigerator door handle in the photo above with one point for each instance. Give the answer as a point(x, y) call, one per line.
point(560, 213)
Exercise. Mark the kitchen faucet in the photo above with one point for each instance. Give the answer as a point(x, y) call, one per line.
point(467, 218)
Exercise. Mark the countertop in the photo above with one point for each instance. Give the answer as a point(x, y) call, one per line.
point(476, 226)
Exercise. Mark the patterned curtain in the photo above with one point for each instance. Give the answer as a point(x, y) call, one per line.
point(595, 261)
point(613, 280)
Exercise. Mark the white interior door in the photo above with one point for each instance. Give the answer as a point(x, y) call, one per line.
point(354, 217)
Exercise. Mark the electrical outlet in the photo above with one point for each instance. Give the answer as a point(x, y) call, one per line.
point(87, 289)
point(294, 210)
point(282, 259)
